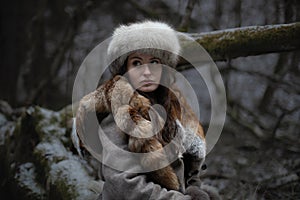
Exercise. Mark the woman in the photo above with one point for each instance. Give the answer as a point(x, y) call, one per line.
point(145, 53)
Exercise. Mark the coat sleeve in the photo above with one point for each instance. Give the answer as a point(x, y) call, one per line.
point(124, 185)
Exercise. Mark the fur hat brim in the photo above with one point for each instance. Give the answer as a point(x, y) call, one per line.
point(150, 37)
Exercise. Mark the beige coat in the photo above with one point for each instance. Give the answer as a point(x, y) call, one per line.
point(124, 185)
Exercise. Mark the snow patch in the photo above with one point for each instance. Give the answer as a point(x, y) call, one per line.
point(26, 178)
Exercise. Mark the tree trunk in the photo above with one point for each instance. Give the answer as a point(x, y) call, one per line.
point(37, 161)
point(247, 41)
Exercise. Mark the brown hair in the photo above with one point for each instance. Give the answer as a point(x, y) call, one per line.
point(165, 97)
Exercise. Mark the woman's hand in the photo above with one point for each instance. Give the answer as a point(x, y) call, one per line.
point(196, 193)
point(204, 192)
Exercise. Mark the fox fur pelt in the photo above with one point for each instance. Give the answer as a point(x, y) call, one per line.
point(134, 115)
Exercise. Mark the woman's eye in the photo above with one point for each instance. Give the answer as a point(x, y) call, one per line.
point(136, 63)
point(155, 62)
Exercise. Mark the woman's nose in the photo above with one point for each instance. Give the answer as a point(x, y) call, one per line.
point(147, 70)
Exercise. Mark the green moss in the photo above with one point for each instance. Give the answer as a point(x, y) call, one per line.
point(66, 114)
point(60, 190)
point(25, 178)
point(251, 41)
point(38, 139)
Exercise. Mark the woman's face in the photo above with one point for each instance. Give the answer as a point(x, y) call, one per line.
point(144, 71)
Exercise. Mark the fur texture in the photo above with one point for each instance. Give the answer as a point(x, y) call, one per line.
point(133, 115)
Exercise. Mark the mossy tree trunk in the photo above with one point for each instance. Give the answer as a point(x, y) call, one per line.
point(36, 150)
point(247, 41)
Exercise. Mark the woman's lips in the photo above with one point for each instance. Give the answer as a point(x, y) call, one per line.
point(147, 82)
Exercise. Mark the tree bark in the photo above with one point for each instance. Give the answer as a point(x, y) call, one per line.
point(248, 41)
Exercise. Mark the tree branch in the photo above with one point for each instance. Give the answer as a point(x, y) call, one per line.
point(248, 41)
point(272, 79)
point(78, 16)
point(185, 21)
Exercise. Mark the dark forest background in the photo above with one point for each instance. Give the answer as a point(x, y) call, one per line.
point(43, 44)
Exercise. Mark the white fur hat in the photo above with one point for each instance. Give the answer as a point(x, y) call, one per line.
point(151, 37)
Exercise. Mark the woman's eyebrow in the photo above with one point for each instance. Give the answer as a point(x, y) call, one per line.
point(140, 58)
point(154, 58)
point(136, 57)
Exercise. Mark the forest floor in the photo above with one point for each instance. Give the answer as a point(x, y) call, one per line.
point(243, 166)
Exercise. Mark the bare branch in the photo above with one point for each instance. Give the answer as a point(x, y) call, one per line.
point(273, 79)
point(254, 128)
point(185, 22)
point(146, 11)
point(77, 18)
